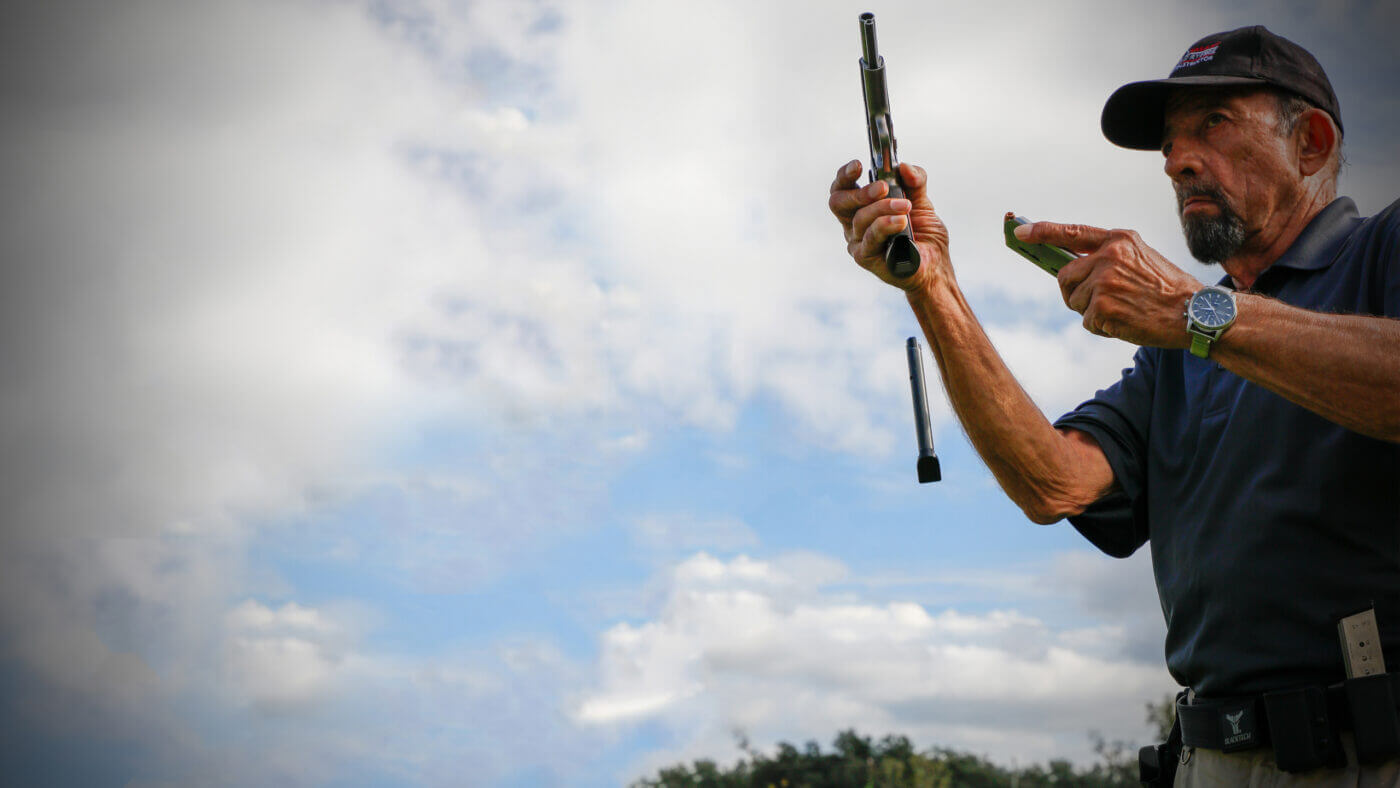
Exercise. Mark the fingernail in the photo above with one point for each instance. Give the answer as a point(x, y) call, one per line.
point(851, 168)
point(1022, 231)
point(900, 205)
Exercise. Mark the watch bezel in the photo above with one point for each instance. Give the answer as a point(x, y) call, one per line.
point(1200, 297)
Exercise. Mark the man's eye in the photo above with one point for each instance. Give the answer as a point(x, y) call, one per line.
point(1214, 119)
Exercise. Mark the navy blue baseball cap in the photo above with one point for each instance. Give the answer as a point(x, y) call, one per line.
point(1134, 114)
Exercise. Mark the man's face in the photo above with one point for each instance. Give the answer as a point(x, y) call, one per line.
point(1234, 173)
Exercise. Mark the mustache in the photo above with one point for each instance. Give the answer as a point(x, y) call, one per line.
point(1190, 189)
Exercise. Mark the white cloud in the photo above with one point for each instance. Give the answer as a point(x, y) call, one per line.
point(283, 657)
point(220, 234)
point(1120, 594)
point(1063, 367)
point(762, 646)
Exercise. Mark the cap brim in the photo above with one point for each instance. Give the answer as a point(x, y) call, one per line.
point(1134, 114)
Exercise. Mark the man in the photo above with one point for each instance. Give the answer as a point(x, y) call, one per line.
point(1255, 442)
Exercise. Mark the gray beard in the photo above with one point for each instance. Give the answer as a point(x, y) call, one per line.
point(1214, 239)
point(1211, 239)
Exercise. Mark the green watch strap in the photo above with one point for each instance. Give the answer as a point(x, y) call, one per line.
point(1200, 346)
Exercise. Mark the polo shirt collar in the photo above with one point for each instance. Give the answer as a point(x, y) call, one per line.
point(1320, 241)
point(1317, 246)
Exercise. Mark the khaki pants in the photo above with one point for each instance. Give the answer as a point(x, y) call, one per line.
point(1256, 769)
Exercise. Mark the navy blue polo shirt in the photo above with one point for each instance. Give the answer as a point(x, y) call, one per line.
point(1267, 522)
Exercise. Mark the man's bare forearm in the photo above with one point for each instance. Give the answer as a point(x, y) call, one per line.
point(1345, 368)
point(1047, 472)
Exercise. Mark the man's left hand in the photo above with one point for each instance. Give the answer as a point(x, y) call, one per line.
point(1124, 288)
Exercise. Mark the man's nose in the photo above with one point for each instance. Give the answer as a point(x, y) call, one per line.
point(1182, 159)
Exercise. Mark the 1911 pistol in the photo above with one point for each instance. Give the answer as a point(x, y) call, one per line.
point(901, 255)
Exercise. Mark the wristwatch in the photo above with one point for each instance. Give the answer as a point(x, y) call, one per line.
point(1208, 313)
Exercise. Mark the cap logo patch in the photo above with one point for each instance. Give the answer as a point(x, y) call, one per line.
point(1199, 55)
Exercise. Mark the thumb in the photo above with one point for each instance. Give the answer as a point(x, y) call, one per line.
point(915, 182)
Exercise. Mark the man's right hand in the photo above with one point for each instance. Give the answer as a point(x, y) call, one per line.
point(869, 218)
point(1049, 473)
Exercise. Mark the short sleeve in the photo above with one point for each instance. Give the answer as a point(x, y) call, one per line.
point(1388, 238)
point(1118, 418)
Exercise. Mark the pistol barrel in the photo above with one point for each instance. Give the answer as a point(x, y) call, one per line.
point(869, 50)
point(928, 465)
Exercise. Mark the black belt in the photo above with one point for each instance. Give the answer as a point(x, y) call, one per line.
point(1301, 724)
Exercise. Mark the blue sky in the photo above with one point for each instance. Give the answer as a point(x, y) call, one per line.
point(454, 393)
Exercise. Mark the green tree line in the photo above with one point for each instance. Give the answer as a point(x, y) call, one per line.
point(857, 761)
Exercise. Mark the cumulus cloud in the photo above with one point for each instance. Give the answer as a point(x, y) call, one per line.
point(1119, 594)
point(215, 230)
point(282, 657)
point(767, 647)
point(1043, 360)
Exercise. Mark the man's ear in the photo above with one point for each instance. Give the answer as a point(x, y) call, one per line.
point(1317, 139)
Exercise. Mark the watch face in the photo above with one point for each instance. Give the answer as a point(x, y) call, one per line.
point(1212, 308)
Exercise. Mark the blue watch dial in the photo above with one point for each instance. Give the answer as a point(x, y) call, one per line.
point(1212, 308)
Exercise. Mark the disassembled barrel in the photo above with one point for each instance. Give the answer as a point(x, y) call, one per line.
point(928, 467)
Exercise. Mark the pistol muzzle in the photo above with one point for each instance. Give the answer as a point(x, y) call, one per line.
point(869, 51)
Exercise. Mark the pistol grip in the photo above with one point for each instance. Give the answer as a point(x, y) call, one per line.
point(901, 254)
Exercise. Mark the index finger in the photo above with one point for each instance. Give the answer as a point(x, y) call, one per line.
point(847, 177)
point(1081, 238)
